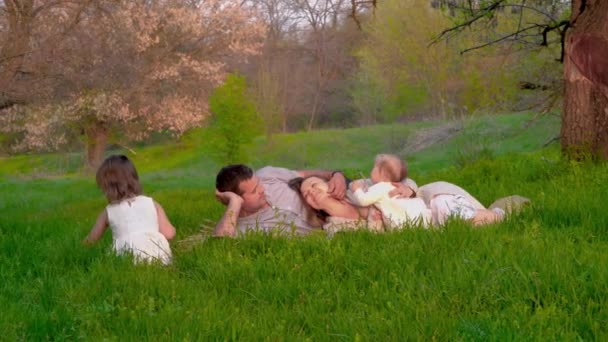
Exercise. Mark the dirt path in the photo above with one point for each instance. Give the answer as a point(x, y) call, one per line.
point(431, 136)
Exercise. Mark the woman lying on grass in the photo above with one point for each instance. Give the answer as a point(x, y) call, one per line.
point(443, 199)
point(336, 214)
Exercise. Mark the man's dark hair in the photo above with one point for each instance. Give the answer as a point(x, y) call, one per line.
point(229, 178)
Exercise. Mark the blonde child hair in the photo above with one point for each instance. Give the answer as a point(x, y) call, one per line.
point(396, 212)
point(394, 168)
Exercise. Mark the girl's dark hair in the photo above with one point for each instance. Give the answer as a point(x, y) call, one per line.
point(118, 179)
point(296, 185)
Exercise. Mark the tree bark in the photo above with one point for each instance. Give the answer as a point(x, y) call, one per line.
point(584, 131)
point(97, 139)
point(12, 54)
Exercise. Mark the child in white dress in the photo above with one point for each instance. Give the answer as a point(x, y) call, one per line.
point(396, 212)
point(139, 224)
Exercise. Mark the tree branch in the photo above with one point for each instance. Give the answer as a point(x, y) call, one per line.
point(482, 13)
point(563, 42)
point(533, 9)
point(551, 28)
point(499, 39)
point(521, 15)
point(353, 12)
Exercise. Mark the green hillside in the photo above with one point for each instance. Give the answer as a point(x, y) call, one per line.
point(426, 145)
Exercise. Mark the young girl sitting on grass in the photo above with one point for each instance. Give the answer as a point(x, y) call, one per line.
point(139, 224)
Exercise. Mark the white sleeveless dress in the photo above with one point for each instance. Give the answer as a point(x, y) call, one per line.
point(134, 224)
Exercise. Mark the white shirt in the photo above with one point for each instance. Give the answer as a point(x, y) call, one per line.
point(395, 211)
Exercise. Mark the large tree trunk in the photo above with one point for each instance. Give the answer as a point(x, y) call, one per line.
point(15, 48)
point(97, 139)
point(584, 131)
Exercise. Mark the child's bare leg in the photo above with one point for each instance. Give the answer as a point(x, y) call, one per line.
point(445, 206)
point(486, 216)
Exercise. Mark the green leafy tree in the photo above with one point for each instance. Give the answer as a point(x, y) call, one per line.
point(235, 122)
point(579, 28)
point(412, 76)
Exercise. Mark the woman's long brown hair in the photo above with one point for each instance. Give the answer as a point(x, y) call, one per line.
point(316, 216)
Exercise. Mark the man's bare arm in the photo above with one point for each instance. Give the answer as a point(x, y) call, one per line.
point(226, 226)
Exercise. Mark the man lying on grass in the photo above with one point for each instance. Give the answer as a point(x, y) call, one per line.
point(263, 201)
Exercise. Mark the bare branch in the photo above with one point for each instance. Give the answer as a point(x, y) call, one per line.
point(355, 4)
point(521, 16)
point(565, 23)
point(562, 33)
point(563, 42)
point(482, 13)
point(544, 28)
point(531, 8)
point(514, 34)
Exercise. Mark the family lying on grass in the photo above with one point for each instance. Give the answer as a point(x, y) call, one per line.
point(278, 200)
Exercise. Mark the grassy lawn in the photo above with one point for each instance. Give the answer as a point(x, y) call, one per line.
point(539, 275)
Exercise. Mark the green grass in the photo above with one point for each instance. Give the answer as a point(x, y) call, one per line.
point(540, 275)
